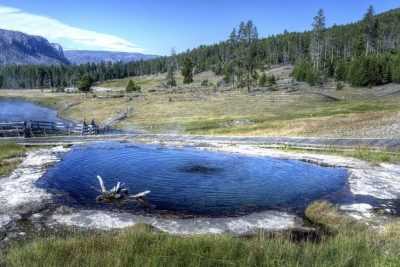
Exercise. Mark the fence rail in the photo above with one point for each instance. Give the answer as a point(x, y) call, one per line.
point(45, 128)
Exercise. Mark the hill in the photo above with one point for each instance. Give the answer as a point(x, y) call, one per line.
point(84, 56)
point(341, 42)
point(341, 52)
point(22, 49)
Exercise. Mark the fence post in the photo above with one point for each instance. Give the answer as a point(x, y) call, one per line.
point(27, 129)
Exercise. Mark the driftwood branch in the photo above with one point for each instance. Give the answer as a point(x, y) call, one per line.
point(119, 193)
point(102, 187)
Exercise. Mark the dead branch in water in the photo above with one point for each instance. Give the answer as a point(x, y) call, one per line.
point(119, 193)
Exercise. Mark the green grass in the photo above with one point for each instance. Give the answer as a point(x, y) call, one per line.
point(362, 153)
point(9, 157)
point(374, 156)
point(140, 246)
point(326, 216)
point(276, 119)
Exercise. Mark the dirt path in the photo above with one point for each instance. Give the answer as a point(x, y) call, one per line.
point(301, 142)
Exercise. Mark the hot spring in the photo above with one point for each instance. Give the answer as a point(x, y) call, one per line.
point(189, 181)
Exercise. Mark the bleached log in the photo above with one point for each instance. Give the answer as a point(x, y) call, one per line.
point(141, 195)
point(103, 188)
point(119, 193)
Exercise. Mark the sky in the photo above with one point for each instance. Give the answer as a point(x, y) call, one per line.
point(157, 26)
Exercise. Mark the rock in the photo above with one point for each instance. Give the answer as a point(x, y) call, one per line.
point(2, 235)
point(20, 48)
point(63, 210)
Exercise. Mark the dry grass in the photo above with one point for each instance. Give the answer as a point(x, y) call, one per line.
point(197, 110)
point(149, 82)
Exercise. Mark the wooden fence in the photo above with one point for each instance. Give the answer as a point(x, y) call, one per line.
point(45, 128)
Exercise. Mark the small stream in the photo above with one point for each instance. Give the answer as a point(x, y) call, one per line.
point(12, 110)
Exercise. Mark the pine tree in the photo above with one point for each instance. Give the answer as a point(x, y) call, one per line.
point(317, 46)
point(187, 70)
point(247, 61)
point(371, 33)
point(172, 66)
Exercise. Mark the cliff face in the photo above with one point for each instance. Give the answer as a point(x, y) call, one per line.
point(20, 48)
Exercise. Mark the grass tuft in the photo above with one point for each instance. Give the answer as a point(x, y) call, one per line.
point(10, 154)
point(327, 216)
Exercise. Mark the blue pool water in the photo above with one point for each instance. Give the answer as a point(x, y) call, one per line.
point(190, 181)
point(20, 110)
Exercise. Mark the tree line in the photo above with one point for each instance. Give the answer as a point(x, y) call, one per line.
point(61, 76)
point(369, 56)
point(362, 53)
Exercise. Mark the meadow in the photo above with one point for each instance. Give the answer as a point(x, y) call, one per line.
point(283, 110)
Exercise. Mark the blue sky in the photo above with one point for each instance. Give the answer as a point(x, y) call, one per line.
point(156, 26)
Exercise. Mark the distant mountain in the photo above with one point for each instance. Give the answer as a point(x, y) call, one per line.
point(82, 56)
point(21, 49)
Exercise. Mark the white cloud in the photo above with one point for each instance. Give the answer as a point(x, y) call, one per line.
point(55, 31)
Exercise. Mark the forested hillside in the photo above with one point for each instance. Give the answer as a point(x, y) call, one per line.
point(83, 56)
point(362, 53)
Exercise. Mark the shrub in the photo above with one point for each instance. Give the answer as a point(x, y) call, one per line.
point(339, 86)
point(328, 217)
point(304, 72)
point(271, 80)
point(370, 70)
point(395, 68)
point(85, 83)
point(357, 74)
point(133, 87)
point(263, 80)
point(341, 71)
point(204, 83)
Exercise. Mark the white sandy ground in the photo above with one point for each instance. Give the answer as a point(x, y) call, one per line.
point(18, 192)
point(269, 220)
point(358, 211)
point(4, 220)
